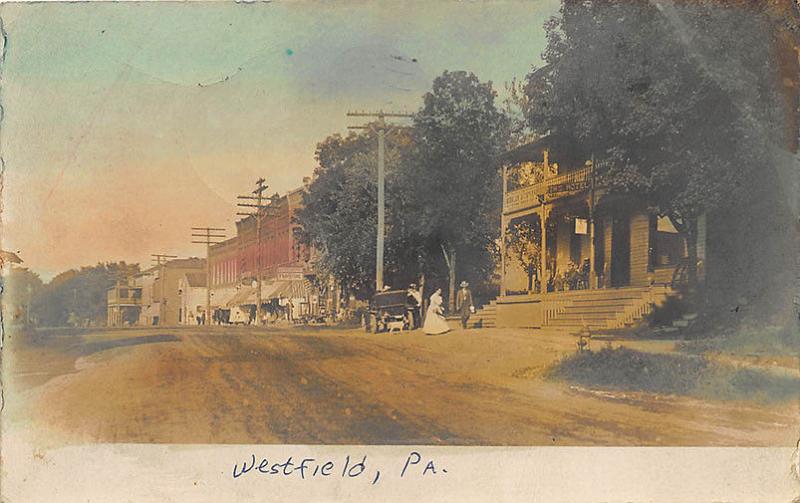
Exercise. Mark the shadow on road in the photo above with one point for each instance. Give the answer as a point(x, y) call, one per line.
point(94, 347)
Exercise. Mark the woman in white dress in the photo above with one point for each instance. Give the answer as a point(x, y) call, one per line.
point(435, 323)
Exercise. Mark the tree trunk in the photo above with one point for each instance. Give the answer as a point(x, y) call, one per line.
point(691, 246)
point(688, 227)
point(452, 301)
point(450, 259)
point(423, 306)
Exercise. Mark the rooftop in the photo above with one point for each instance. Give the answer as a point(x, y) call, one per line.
point(196, 279)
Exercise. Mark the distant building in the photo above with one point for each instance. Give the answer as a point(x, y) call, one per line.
point(225, 279)
point(7, 258)
point(166, 297)
point(124, 303)
point(149, 312)
point(192, 292)
point(285, 267)
point(152, 296)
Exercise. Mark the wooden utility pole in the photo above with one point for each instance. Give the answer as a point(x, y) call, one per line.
point(381, 127)
point(160, 260)
point(592, 279)
point(259, 203)
point(208, 239)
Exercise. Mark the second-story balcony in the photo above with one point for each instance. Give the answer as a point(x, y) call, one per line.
point(548, 189)
point(124, 296)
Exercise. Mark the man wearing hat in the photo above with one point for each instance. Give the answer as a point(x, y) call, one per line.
point(464, 304)
point(415, 301)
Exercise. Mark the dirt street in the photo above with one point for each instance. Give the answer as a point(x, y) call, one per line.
point(326, 386)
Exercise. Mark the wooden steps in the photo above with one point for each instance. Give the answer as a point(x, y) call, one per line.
point(485, 317)
point(601, 309)
point(605, 309)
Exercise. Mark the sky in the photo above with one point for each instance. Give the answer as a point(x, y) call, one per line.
point(125, 124)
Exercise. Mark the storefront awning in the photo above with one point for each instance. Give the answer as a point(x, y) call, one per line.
point(292, 289)
point(246, 295)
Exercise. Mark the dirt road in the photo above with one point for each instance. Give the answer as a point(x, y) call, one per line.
point(474, 387)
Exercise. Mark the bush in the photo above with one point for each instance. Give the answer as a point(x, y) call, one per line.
point(672, 309)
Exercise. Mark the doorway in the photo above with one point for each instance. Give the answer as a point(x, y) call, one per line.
point(620, 251)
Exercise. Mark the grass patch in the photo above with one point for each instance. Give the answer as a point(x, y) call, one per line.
point(624, 369)
point(769, 340)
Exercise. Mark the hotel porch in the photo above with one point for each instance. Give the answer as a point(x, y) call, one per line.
point(574, 256)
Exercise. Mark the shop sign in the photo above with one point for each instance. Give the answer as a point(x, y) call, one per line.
point(581, 226)
point(290, 273)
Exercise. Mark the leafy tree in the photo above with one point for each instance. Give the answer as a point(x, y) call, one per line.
point(339, 214)
point(452, 172)
point(79, 296)
point(677, 102)
point(524, 244)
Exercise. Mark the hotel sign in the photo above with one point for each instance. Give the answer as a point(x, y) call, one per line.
point(550, 189)
point(566, 188)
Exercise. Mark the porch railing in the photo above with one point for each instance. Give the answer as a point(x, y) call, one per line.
point(654, 297)
point(552, 306)
point(549, 189)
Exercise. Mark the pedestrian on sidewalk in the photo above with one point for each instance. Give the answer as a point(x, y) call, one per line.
point(415, 296)
point(464, 304)
point(435, 322)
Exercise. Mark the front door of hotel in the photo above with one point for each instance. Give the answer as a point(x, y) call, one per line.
point(621, 251)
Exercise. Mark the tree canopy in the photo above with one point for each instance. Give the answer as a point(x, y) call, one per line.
point(78, 295)
point(678, 102)
point(453, 174)
point(442, 190)
point(339, 213)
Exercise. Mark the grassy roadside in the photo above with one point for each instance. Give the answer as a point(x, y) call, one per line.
point(766, 341)
point(624, 369)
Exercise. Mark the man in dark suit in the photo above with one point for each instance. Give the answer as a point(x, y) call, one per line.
point(415, 306)
point(464, 304)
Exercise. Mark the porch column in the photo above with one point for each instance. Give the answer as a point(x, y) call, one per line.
point(543, 254)
point(503, 254)
point(503, 233)
point(608, 229)
point(592, 279)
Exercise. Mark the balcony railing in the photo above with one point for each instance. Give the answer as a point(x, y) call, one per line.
point(114, 298)
point(549, 189)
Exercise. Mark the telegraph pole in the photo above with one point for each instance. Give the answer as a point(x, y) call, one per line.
point(381, 127)
point(592, 279)
point(160, 259)
point(256, 200)
point(206, 234)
